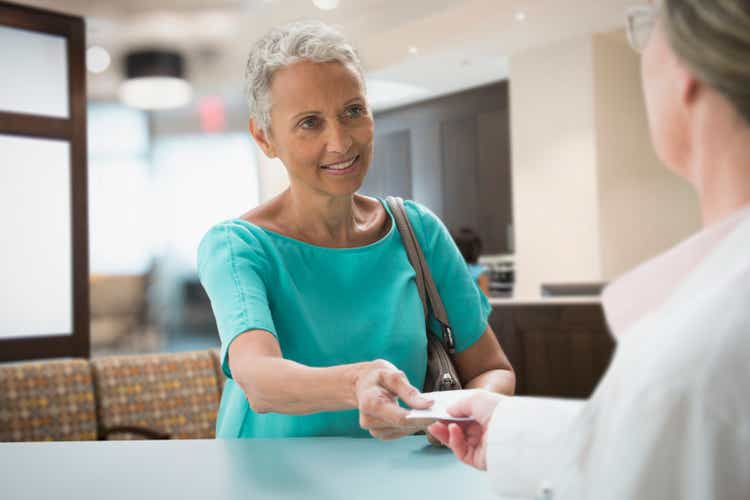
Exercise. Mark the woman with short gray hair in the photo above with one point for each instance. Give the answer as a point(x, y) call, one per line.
point(311, 41)
point(671, 417)
point(320, 319)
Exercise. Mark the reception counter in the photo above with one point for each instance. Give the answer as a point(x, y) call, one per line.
point(503, 301)
point(558, 346)
point(257, 469)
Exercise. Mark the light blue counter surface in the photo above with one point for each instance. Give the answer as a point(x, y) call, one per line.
point(320, 468)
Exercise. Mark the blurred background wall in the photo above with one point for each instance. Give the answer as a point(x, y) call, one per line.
point(522, 119)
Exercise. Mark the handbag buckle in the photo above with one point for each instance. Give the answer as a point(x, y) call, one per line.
point(450, 343)
point(447, 382)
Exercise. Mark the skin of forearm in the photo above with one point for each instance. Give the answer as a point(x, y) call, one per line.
point(277, 385)
point(499, 381)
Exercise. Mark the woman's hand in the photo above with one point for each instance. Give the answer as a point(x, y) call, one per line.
point(377, 390)
point(468, 440)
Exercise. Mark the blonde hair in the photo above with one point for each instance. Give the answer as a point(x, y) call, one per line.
point(713, 38)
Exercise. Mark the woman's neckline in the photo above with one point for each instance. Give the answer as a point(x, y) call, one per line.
point(375, 243)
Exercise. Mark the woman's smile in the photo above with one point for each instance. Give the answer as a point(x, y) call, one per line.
point(342, 168)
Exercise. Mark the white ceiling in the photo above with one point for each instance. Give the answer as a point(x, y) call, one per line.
point(460, 44)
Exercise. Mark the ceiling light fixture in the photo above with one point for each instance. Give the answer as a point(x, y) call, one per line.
point(520, 16)
point(97, 59)
point(155, 80)
point(326, 4)
point(413, 50)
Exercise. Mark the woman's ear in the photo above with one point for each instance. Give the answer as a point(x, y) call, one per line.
point(689, 88)
point(261, 138)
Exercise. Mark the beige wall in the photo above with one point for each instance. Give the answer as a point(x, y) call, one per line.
point(644, 208)
point(553, 166)
point(590, 198)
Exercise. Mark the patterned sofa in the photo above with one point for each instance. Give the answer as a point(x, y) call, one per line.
point(158, 396)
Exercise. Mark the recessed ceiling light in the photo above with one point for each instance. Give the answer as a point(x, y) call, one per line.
point(326, 4)
point(97, 59)
point(413, 50)
point(520, 16)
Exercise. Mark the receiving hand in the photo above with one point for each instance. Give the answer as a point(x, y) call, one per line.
point(377, 391)
point(468, 440)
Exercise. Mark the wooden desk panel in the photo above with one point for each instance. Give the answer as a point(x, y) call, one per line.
point(559, 350)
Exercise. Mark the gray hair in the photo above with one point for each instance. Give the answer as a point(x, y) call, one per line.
point(713, 38)
point(304, 40)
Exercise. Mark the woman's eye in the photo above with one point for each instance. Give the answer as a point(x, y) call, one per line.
point(309, 122)
point(355, 111)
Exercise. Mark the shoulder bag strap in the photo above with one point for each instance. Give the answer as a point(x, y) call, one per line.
point(425, 283)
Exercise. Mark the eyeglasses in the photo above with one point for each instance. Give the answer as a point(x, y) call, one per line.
point(640, 23)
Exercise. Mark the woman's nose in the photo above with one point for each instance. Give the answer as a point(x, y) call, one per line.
point(339, 139)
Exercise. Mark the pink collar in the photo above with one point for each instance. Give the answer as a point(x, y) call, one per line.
point(645, 288)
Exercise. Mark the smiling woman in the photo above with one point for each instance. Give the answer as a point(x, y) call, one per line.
point(320, 318)
point(324, 130)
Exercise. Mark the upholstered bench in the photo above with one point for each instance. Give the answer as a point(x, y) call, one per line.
point(47, 401)
point(154, 396)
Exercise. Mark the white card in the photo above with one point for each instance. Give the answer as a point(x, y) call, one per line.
point(443, 400)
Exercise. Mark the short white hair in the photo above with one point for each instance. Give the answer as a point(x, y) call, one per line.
point(303, 40)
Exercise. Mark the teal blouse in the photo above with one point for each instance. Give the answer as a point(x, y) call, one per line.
point(330, 306)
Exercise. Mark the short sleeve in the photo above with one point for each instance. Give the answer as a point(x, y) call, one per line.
point(231, 268)
point(467, 307)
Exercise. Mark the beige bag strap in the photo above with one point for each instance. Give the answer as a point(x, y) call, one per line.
point(425, 283)
point(402, 223)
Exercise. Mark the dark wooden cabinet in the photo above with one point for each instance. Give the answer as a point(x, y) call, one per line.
point(459, 144)
point(494, 180)
point(558, 350)
point(390, 172)
point(453, 155)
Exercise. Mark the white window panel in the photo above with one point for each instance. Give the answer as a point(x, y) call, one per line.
point(35, 255)
point(33, 73)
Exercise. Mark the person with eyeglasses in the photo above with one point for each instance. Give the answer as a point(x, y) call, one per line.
point(671, 417)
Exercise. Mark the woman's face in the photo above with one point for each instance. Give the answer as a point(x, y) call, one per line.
point(665, 86)
point(321, 127)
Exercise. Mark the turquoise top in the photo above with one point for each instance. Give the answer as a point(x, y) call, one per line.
point(330, 306)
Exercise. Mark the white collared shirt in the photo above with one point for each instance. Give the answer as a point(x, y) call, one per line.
point(671, 417)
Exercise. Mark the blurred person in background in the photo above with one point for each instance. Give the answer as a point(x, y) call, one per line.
point(470, 245)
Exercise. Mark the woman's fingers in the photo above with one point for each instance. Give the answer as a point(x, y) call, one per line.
point(474, 434)
point(439, 431)
point(462, 408)
point(478, 406)
point(377, 395)
point(397, 383)
point(467, 444)
point(433, 440)
point(388, 433)
point(367, 421)
point(382, 409)
point(457, 443)
point(466, 439)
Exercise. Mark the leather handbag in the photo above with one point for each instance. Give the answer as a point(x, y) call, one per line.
point(441, 374)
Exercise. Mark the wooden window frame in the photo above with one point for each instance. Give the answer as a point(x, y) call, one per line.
point(73, 130)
